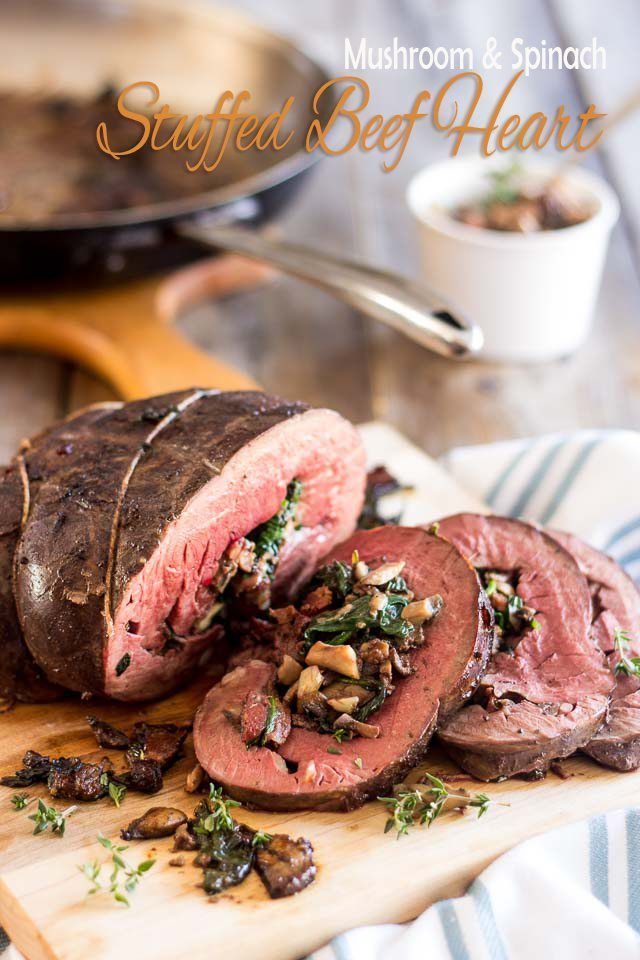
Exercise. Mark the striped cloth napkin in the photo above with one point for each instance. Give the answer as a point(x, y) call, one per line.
point(575, 892)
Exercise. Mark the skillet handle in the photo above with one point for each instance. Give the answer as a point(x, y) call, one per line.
point(401, 303)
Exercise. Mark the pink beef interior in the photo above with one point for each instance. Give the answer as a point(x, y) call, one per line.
point(319, 448)
point(616, 603)
point(557, 677)
point(446, 666)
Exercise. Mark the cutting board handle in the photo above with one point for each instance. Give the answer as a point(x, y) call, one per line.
point(124, 334)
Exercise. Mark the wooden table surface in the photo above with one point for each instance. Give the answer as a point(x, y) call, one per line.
point(302, 343)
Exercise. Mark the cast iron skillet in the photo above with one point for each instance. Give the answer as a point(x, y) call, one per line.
point(192, 51)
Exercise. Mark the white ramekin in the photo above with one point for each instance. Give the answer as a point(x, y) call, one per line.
point(532, 294)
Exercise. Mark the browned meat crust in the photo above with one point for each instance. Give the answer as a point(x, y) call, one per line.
point(20, 677)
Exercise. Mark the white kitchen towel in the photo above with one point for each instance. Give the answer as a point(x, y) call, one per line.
point(575, 892)
point(587, 483)
point(572, 893)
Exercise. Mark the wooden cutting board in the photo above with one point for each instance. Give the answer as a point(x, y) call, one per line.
point(364, 875)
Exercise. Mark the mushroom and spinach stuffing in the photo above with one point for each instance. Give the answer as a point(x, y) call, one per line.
point(249, 565)
point(340, 653)
point(512, 615)
point(514, 204)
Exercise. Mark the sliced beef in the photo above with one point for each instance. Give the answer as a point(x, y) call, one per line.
point(20, 676)
point(285, 865)
point(547, 697)
point(123, 542)
point(616, 607)
point(310, 769)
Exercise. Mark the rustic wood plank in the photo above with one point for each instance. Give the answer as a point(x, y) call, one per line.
point(84, 389)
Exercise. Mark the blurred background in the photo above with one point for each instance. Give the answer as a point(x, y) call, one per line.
point(301, 343)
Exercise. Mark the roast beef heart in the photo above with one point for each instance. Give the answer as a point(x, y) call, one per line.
point(20, 676)
point(616, 606)
point(124, 537)
point(548, 697)
point(310, 770)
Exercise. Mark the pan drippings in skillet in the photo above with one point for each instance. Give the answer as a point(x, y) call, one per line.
point(50, 162)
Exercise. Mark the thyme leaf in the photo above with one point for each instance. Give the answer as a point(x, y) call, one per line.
point(21, 800)
point(214, 814)
point(261, 839)
point(48, 818)
point(627, 665)
point(123, 879)
point(117, 792)
point(425, 804)
point(504, 187)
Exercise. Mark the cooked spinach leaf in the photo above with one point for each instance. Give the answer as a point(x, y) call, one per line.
point(122, 664)
point(357, 618)
point(268, 537)
point(338, 576)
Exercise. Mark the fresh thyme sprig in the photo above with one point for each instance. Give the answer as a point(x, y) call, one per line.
point(21, 800)
point(117, 792)
point(627, 665)
point(261, 839)
point(123, 879)
point(220, 817)
point(426, 803)
point(504, 184)
point(46, 818)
